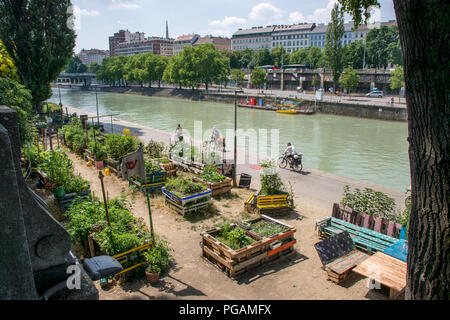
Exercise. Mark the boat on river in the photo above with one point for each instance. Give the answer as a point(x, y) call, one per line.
point(297, 111)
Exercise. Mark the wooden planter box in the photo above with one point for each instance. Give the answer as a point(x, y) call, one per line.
point(170, 168)
point(232, 262)
point(187, 204)
point(154, 181)
point(217, 188)
point(68, 199)
point(278, 243)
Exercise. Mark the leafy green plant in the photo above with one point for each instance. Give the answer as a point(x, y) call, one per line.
point(234, 237)
point(271, 183)
point(184, 186)
point(76, 184)
point(155, 149)
point(151, 167)
point(118, 146)
point(211, 174)
point(267, 229)
point(371, 202)
point(158, 258)
point(57, 166)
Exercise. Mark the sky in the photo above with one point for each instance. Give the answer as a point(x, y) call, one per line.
point(96, 20)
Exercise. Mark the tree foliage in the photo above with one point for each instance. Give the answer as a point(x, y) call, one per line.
point(38, 39)
point(76, 66)
point(7, 67)
point(333, 46)
point(350, 78)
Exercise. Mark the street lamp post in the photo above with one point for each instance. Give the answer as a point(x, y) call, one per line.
point(96, 99)
point(235, 140)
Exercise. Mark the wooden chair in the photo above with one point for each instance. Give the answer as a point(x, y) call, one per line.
point(339, 256)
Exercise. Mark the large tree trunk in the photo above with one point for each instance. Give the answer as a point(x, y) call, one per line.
point(424, 35)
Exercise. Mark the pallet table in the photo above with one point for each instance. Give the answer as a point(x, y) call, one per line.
point(386, 270)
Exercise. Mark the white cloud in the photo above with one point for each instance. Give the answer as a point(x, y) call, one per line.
point(267, 13)
point(77, 11)
point(124, 4)
point(296, 17)
point(227, 22)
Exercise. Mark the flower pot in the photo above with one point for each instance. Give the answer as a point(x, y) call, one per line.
point(59, 191)
point(152, 277)
point(99, 165)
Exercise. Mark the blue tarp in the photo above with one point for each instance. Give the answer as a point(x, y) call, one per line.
point(398, 250)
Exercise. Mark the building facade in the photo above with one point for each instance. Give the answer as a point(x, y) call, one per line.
point(162, 46)
point(292, 37)
point(220, 43)
point(132, 48)
point(123, 36)
point(184, 41)
point(255, 38)
point(93, 55)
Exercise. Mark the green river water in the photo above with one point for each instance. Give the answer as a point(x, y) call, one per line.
point(372, 151)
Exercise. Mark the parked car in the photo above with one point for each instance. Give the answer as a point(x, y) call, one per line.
point(376, 94)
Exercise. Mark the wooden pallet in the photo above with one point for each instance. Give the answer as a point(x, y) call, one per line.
point(66, 201)
point(217, 188)
point(113, 165)
point(233, 262)
point(152, 182)
point(274, 205)
point(183, 210)
point(170, 168)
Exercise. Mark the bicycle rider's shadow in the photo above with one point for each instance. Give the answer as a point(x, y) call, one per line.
point(303, 173)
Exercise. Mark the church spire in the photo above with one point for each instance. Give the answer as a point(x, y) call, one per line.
point(167, 29)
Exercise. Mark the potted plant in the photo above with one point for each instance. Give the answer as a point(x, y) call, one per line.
point(157, 261)
point(100, 155)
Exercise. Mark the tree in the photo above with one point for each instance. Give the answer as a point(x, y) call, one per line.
point(397, 79)
point(314, 56)
point(299, 57)
point(315, 81)
point(160, 66)
point(173, 72)
point(7, 67)
point(37, 36)
point(349, 79)
point(381, 46)
point(94, 67)
point(237, 76)
point(258, 77)
point(134, 70)
point(333, 46)
point(76, 66)
point(354, 54)
point(262, 57)
point(280, 56)
point(425, 49)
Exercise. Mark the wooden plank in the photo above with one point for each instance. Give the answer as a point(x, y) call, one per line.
point(247, 263)
point(391, 272)
point(282, 248)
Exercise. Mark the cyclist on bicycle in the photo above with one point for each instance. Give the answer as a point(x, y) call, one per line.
point(290, 152)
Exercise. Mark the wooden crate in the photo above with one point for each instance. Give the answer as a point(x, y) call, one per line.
point(170, 168)
point(183, 210)
point(113, 166)
point(217, 188)
point(233, 262)
point(274, 205)
point(69, 199)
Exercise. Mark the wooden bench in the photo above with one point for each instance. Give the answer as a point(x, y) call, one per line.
point(367, 221)
point(364, 239)
point(339, 256)
point(271, 204)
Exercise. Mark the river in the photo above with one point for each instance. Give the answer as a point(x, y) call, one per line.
point(367, 150)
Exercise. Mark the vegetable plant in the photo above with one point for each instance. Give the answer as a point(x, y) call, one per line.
point(183, 186)
point(118, 146)
point(271, 183)
point(158, 258)
point(155, 149)
point(211, 174)
point(234, 237)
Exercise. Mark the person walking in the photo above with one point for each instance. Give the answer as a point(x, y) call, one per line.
point(179, 133)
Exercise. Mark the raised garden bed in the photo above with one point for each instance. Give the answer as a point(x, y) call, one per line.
point(187, 204)
point(113, 165)
point(154, 181)
point(233, 262)
point(217, 188)
point(168, 165)
point(272, 240)
point(66, 201)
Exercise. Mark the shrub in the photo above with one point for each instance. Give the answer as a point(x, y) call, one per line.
point(151, 168)
point(371, 202)
point(76, 184)
point(212, 174)
point(57, 166)
point(118, 146)
point(155, 149)
point(158, 258)
point(234, 237)
point(271, 183)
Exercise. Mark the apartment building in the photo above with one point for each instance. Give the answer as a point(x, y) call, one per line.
point(255, 38)
point(184, 41)
point(292, 37)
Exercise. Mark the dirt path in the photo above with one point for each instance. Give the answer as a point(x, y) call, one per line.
point(297, 277)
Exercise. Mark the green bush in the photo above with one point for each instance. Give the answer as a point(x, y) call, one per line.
point(118, 146)
point(372, 203)
point(235, 238)
point(151, 168)
point(211, 174)
point(158, 258)
point(57, 166)
point(76, 184)
point(271, 183)
point(155, 149)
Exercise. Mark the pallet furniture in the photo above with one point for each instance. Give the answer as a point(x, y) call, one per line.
point(154, 181)
point(188, 204)
point(217, 188)
point(361, 219)
point(364, 239)
point(264, 250)
point(269, 205)
point(339, 256)
point(66, 201)
point(385, 270)
point(113, 166)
